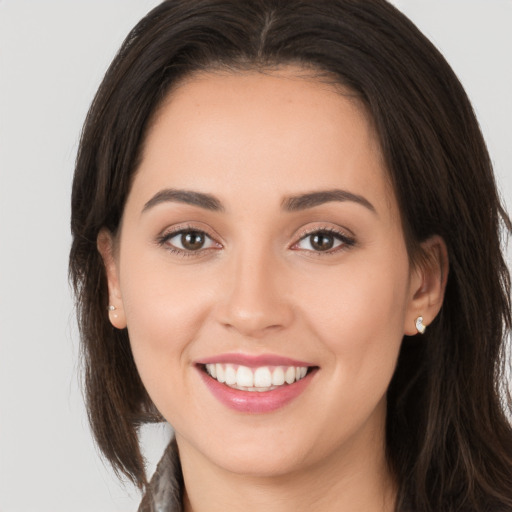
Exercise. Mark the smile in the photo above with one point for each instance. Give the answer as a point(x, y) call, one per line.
point(260, 379)
point(255, 384)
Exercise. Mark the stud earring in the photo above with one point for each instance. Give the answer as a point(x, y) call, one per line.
point(111, 308)
point(419, 325)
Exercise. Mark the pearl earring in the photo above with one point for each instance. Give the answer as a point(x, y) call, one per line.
point(111, 308)
point(419, 325)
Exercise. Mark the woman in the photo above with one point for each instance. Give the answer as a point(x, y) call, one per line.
point(287, 245)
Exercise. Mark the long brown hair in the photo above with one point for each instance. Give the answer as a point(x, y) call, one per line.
point(448, 438)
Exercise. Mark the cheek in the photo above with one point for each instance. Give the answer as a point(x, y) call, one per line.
point(165, 309)
point(359, 314)
point(159, 310)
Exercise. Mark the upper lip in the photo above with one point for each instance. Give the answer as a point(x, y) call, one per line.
point(253, 361)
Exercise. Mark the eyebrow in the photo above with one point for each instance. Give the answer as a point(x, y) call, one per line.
point(312, 199)
point(290, 204)
point(206, 201)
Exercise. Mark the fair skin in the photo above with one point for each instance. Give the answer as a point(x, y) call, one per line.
point(324, 280)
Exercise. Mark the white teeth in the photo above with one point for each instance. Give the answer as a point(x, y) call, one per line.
point(290, 375)
point(220, 373)
point(278, 377)
point(244, 377)
point(260, 379)
point(230, 375)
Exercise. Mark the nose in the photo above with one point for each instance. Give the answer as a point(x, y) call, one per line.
point(256, 296)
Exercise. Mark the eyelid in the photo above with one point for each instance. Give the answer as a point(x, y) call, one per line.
point(344, 235)
point(171, 232)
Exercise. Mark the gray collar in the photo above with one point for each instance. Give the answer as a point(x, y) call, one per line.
point(165, 490)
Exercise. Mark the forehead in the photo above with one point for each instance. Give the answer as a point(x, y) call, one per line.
point(279, 133)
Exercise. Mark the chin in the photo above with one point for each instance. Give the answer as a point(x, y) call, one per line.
point(262, 465)
point(261, 454)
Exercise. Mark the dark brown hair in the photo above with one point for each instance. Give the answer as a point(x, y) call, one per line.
point(448, 438)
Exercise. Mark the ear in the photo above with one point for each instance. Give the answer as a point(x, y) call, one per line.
point(427, 284)
point(106, 247)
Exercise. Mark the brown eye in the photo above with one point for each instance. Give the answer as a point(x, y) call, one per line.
point(322, 241)
point(188, 241)
point(192, 240)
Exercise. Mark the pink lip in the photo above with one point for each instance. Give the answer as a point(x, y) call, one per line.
point(256, 402)
point(252, 361)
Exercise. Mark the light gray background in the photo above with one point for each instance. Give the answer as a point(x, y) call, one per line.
point(52, 57)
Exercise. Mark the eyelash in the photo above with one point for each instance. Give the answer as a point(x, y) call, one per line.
point(346, 241)
point(164, 239)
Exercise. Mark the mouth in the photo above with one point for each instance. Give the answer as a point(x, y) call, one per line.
point(259, 379)
point(255, 384)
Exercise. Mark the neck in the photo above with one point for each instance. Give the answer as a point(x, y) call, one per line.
point(357, 479)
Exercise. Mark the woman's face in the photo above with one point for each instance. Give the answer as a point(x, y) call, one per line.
point(262, 241)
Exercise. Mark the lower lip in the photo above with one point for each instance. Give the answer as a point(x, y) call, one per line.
point(257, 402)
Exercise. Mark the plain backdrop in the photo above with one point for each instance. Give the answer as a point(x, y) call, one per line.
point(53, 55)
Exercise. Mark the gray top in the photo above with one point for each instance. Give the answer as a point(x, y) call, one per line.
point(165, 490)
